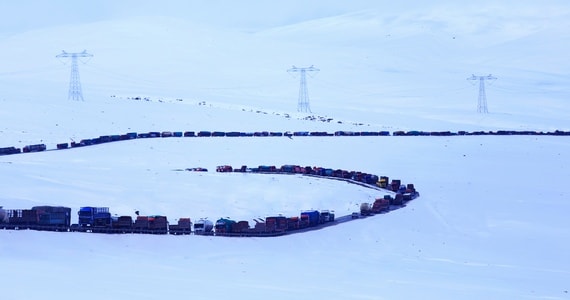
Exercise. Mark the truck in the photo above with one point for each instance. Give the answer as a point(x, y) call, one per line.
point(381, 205)
point(151, 224)
point(309, 218)
point(224, 226)
point(365, 209)
point(21, 218)
point(410, 192)
point(397, 200)
point(55, 217)
point(395, 185)
point(293, 223)
point(276, 224)
point(3, 216)
point(326, 216)
point(94, 217)
point(383, 182)
point(9, 150)
point(264, 168)
point(123, 224)
point(203, 227)
point(241, 227)
point(224, 168)
point(34, 148)
point(184, 226)
point(158, 224)
point(288, 168)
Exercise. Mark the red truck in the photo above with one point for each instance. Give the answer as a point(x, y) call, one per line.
point(381, 205)
point(184, 226)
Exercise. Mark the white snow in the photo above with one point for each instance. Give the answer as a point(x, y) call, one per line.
point(491, 222)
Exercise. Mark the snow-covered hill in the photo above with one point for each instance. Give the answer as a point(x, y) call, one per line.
point(491, 220)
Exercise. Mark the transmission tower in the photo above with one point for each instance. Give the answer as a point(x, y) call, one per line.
point(303, 102)
point(75, 92)
point(482, 104)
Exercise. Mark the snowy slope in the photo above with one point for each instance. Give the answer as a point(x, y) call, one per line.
point(491, 220)
point(485, 226)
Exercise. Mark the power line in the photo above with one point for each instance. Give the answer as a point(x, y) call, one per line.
point(75, 92)
point(482, 102)
point(303, 102)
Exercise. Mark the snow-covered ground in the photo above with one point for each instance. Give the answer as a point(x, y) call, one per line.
point(491, 222)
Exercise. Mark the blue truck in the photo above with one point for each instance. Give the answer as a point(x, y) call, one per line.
point(53, 216)
point(90, 216)
point(309, 218)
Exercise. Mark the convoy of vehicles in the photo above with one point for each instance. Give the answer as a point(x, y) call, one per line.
point(102, 220)
point(178, 134)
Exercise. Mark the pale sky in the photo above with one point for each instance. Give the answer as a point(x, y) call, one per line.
point(18, 16)
point(24, 15)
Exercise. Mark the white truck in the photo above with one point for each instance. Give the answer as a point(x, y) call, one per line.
point(203, 227)
point(365, 209)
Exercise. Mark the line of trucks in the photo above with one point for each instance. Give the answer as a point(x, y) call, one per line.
point(100, 220)
point(168, 134)
point(404, 193)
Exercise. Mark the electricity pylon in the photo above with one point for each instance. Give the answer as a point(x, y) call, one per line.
point(482, 104)
point(303, 102)
point(75, 92)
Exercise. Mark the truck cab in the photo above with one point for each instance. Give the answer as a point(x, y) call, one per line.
point(203, 226)
point(90, 216)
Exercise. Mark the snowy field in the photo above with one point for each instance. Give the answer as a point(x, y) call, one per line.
point(491, 222)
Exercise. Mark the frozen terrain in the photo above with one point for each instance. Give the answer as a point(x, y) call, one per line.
point(491, 222)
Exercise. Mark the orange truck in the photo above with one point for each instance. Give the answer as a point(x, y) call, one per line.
point(381, 205)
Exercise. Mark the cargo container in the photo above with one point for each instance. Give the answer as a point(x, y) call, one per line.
point(9, 150)
point(184, 226)
point(158, 224)
point(241, 227)
point(151, 224)
point(276, 224)
point(19, 217)
point(62, 146)
point(292, 223)
point(224, 168)
point(53, 215)
point(34, 148)
point(123, 224)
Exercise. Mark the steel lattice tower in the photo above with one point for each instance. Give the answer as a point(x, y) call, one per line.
point(482, 104)
point(303, 102)
point(75, 92)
